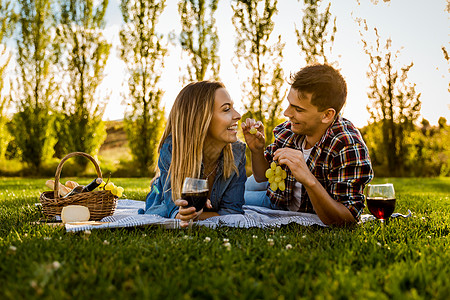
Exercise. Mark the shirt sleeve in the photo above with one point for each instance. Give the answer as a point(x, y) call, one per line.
point(163, 204)
point(351, 170)
point(233, 198)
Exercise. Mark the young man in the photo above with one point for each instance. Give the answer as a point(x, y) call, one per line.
point(324, 155)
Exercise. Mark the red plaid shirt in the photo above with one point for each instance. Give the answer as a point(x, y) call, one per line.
point(340, 162)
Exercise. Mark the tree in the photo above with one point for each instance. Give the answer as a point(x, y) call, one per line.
point(7, 22)
point(35, 89)
point(199, 38)
point(395, 105)
point(264, 88)
point(314, 38)
point(143, 52)
point(84, 52)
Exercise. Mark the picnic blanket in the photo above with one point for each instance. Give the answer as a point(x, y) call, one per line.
point(126, 215)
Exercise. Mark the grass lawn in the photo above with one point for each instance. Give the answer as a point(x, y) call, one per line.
point(407, 259)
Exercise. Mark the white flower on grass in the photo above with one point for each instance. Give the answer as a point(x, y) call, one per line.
point(227, 245)
point(25, 235)
point(226, 240)
point(270, 241)
point(105, 242)
point(12, 248)
point(304, 237)
point(429, 236)
point(288, 246)
point(207, 239)
point(255, 236)
point(86, 234)
point(379, 244)
point(56, 265)
point(185, 237)
point(423, 218)
point(283, 236)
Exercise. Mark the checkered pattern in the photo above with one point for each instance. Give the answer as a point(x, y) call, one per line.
point(340, 161)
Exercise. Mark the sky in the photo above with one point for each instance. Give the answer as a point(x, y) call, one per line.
point(418, 29)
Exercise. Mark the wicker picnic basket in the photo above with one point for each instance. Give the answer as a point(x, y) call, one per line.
point(100, 203)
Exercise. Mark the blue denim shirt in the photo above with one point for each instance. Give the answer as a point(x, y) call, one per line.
point(227, 195)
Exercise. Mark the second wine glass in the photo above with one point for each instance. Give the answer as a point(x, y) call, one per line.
point(381, 200)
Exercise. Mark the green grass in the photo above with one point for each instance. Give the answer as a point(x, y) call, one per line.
point(408, 260)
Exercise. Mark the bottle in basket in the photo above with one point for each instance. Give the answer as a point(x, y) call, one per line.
point(93, 185)
point(75, 190)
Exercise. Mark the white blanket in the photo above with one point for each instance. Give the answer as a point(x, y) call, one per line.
point(126, 215)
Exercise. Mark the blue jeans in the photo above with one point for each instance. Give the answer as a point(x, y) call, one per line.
point(255, 194)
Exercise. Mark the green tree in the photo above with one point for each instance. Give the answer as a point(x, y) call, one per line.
point(7, 23)
point(395, 104)
point(263, 90)
point(142, 49)
point(315, 39)
point(199, 39)
point(84, 52)
point(35, 89)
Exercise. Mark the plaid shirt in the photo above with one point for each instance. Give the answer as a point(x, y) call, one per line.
point(340, 162)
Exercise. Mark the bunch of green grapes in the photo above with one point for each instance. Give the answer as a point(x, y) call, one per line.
point(115, 190)
point(276, 176)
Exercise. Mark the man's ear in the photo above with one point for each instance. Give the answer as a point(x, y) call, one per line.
point(328, 115)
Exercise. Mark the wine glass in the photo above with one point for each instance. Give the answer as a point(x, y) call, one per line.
point(381, 200)
point(195, 192)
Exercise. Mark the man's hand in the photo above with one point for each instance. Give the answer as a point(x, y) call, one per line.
point(296, 163)
point(185, 214)
point(327, 209)
point(255, 140)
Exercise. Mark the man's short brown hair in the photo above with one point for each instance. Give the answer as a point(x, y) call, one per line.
point(326, 84)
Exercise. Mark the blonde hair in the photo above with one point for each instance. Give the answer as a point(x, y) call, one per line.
point(188, 122)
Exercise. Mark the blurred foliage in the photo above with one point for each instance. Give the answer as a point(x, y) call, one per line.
point(84, 52)
point(34, 92)
point(264, 91)
point(7, 25)
point(394, 102)
point(143, 51)
point(314, 38)
point(426, 149)
point(199, 39)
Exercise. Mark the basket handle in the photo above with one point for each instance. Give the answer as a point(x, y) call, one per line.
point(59, 169)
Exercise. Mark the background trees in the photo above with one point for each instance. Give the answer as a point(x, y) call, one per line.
point(34, 90)
point(61, 53)
point(394, 108)
point(314, 39)
point(7, 22)
point(263, 90)
point(143, 51)
point(199, 39)
point(83, 54)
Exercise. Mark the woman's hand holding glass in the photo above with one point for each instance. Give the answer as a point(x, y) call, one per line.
point(194, 194)
point(187, 214)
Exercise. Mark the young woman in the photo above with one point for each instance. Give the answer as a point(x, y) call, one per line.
point(200, 141)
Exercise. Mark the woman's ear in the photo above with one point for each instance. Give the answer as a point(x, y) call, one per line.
point(328, 115)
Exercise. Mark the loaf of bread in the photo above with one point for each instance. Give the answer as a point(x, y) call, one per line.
point(63, 190)
point(71, 184)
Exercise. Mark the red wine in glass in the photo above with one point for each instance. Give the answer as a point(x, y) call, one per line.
point(380, 200)
point(381, 208)
point(195, 198)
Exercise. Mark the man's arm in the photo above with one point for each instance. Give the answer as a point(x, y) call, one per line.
point(327, 209)
point(256, 143)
